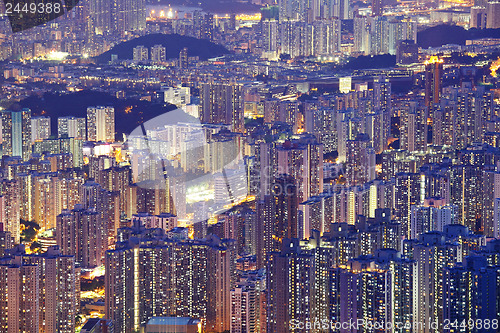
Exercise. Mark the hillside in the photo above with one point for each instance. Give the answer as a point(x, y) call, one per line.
point(452, 34)
point(173, 43)
point(75, 104)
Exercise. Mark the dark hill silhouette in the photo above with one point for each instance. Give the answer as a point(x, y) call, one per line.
point(377, 61)
point(75, 104)
point(174, 44)
point(452, 34)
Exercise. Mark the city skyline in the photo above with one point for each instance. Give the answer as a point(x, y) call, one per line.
point(269, 166)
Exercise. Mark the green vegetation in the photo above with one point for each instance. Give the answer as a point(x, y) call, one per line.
point(29, 230)
point(90, 285)
point(35, 247)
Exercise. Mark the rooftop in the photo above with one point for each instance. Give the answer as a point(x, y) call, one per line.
point(173, 321)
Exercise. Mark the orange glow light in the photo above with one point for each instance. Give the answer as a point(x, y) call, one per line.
point(433, 60)
point(494, 67)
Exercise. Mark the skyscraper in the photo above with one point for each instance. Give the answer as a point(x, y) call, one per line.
point(300, 283)
point(362, 35)
point(478, 17)
point(10, 207)
point(470, 291)
point(493, 15)
point(208, 27)
point(290, 282)
point(342, 9)
point(83, 234)
point(117, 17)
point(158, 53)
point(101, 124)
point(432, 216)
point(6, 241)
point(407, 193)
point(169, 277)
point(140, 53)
point(19, 297)
point(432, 254)
point(72, 127)
point(47, 281)
point(385, 281)
point(315, 214)
point(221, 104)
point(40, 128)
point(433, 73)
point(247, 304)
point(183, 58)
point(360, 164)
point(64, 145)
point(377, 7)
point(382, 102)
point(270, 32)
point(303, 161)
point(16, 133)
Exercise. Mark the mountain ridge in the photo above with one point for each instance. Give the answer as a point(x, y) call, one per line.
point(173, 43)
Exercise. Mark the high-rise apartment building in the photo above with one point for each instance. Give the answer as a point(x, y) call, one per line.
point(140, 53)
point(247, 304)
point(20, 291)
point(16, 133)
point(385, 283)
point(290, 282)
point(433, 215)
point(381, 35)
point(117, 179)
point(360, 163)
point(377, 7)
point(433, 81)
point(208, 27)
point(303, 161)
point(64, 145)
point(83, 234)
point(478, 17)
point(433, 255)
point(101, 124)
point(179, 96)
point(493, 15)
point(315, 214)
point(10, 208)
point(6, 241)
point(270, 32)
point(117, 17)
point(40, 128)
point(158, 53)
point(470, 291)
point(278, 216)
point(71, 127)
point(178, 278)
point(42, 286)
point(221, 104)
point(407, 193)
point(300, 283)
point(183, 58)
point(105, 203)
point(382, 103)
